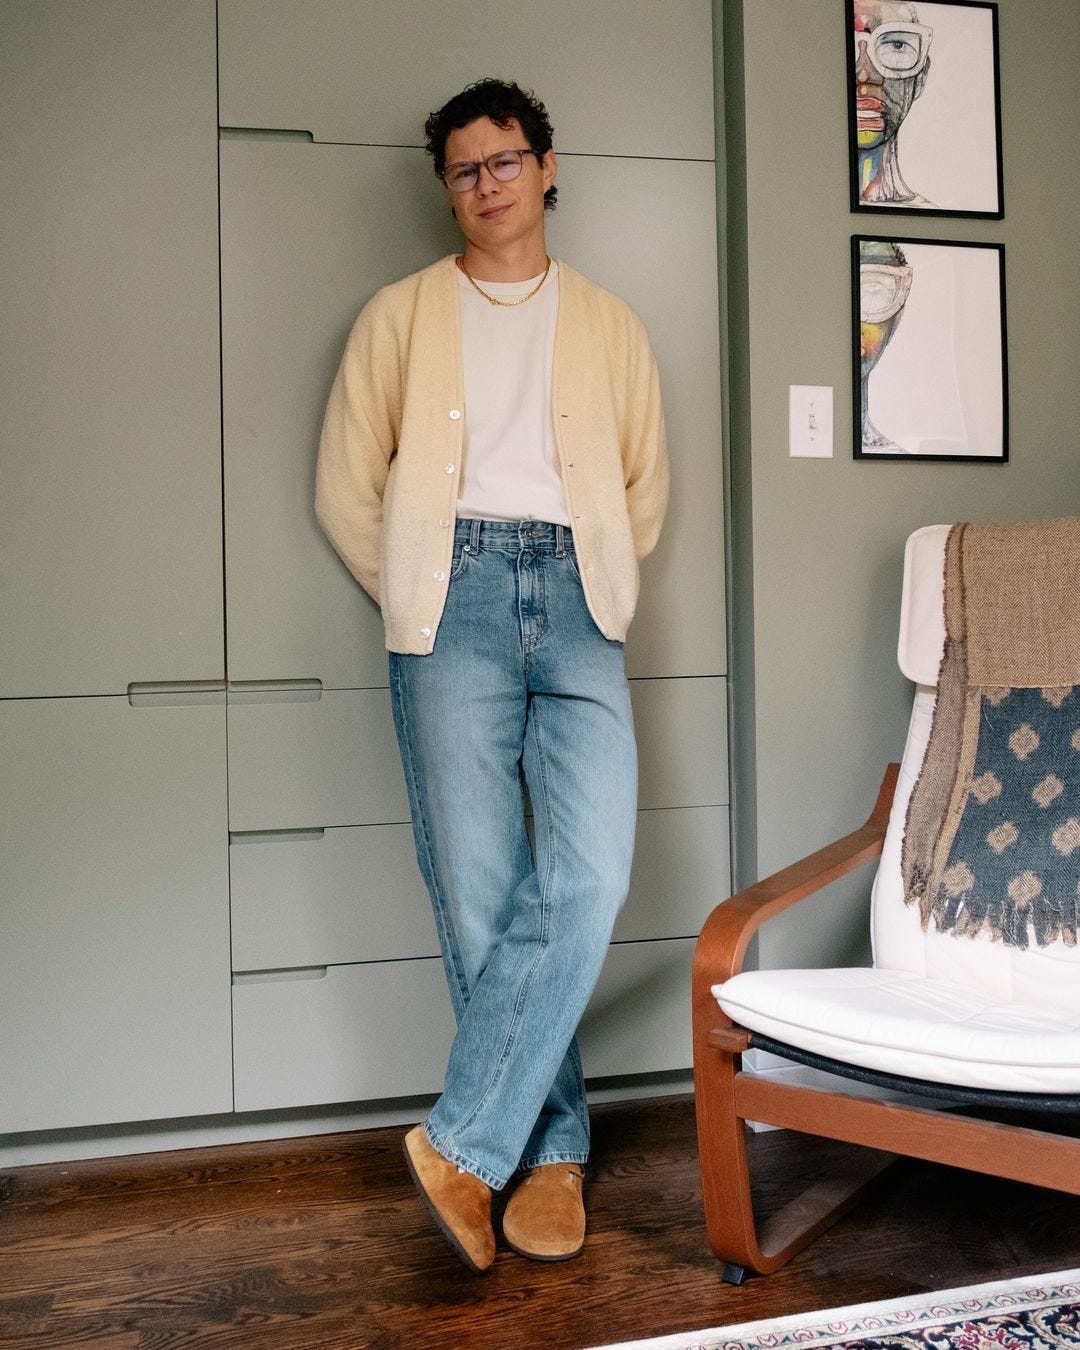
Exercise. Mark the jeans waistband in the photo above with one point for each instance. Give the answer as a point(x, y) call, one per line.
point(538, 536)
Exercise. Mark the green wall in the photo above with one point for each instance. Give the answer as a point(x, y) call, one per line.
point(819, 706)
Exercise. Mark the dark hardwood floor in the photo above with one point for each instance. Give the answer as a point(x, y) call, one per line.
point(321, 1242)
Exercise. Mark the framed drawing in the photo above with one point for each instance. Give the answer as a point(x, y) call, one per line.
point(929, 351)
point(924, 108)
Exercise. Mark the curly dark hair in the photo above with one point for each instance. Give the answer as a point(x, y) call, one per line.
point(500, 101)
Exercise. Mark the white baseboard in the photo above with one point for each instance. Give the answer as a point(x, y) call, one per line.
point(110, 1141)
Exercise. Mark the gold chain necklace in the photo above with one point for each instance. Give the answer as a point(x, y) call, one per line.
point(504, 304)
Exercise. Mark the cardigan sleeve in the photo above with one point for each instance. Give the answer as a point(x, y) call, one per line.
point(359, 439)
point(644, 449)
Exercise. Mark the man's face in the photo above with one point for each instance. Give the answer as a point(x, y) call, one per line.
point(495, 215)
point(891, 62)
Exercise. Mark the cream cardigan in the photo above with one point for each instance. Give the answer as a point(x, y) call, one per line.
point(391, 449)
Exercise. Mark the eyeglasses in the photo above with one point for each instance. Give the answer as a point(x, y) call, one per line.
point(897, 51)
point(883, 291)
point(504, 166)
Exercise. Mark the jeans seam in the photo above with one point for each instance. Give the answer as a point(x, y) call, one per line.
point(546, 1159)
point(442, 919)
point(445, 1149)
point(541, 947)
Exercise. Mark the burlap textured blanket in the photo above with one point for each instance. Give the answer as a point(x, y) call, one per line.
point(992, 838)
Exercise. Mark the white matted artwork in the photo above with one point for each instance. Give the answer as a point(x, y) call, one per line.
point(924, 108)
point(929, 350)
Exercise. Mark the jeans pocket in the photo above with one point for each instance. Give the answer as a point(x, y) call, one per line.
point(572, 560)
point(462, 554)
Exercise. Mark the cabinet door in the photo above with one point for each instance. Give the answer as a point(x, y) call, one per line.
point(679, 628)
point(114, 963)
point(289, 297)
point(110, 514)
point(616, 79)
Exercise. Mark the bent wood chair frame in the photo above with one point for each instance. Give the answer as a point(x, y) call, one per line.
point(726, 1096)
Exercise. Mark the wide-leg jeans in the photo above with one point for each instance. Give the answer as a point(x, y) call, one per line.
point(521, 690)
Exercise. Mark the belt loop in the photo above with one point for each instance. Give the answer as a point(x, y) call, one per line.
point(560, 542)
point(473, 546)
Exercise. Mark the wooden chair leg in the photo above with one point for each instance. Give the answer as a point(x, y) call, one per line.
point(725, 1171)
point(734, 1233)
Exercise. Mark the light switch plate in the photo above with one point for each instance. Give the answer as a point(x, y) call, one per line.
point(810, 420)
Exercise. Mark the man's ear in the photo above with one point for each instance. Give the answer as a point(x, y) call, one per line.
point(549, 166)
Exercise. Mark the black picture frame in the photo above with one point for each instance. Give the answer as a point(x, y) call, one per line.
point(929, 348)
point(924, 109)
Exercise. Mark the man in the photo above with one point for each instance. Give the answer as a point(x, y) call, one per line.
point(892, 61)
point(492, 467)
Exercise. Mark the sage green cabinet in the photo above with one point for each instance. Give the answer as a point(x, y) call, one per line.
point(110, 513)
point(114, 963)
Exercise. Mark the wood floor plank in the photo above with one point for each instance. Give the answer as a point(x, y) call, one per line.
point(316, 1244)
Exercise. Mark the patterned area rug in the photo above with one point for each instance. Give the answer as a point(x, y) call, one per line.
point(1038, 1312)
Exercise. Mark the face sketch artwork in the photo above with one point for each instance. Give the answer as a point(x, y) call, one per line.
point(891, 55)
point(884, 284)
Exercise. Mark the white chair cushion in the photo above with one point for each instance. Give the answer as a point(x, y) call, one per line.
point(898, 1022)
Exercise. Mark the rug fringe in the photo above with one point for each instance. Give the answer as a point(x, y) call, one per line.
point(1018, 1295)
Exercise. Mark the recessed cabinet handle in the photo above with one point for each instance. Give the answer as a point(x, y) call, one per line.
point(175, 694)
point(264, 134)
point(302, 836)
point(275, 691)
point(272, 976)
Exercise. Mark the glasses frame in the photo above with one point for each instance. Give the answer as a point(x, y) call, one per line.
point(477, 164)
point(871, 40)
point(899, 273)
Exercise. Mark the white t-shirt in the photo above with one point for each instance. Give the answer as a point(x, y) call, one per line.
point(511, 465)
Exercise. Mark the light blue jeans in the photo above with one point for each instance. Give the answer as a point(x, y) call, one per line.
point(522, 687)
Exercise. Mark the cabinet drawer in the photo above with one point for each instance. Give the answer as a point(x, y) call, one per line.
point(328, 898)
point(638, 1020)
point(681, 730)
point(305, 761)
point(681, 870)
point(351, 1033)
point(337, 896)
point(315, 759)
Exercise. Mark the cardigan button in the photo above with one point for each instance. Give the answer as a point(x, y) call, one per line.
point(425, 632)
point(449, 469)
point(455, 413)
point(439, 576)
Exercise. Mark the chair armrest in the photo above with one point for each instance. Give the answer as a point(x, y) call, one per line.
point(721, 947)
